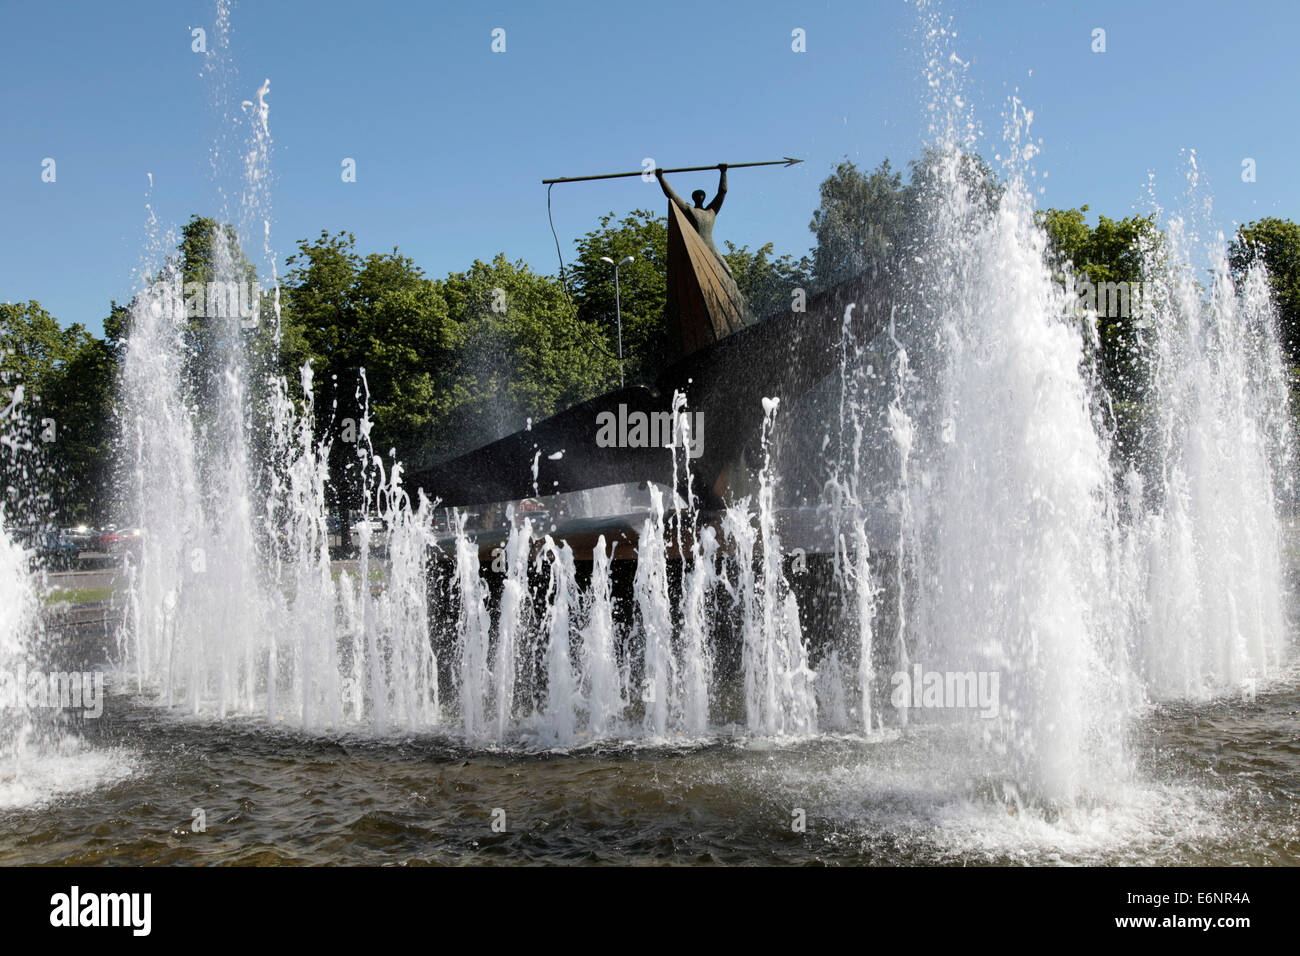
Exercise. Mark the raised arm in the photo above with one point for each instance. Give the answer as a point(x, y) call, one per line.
point(672, 196)
point(716, 205)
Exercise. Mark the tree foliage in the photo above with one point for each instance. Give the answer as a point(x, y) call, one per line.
point(1113, 255)
point(58, 431)
point(859, 223)
point(1277, 243)
point(768, 283)
point(865, 219)
point(642, 288)
point(454, 362)
point(449, 363)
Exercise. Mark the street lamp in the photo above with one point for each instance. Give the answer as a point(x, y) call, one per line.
point(618, 310)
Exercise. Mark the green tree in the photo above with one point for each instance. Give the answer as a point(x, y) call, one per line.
point(643, 292)
point(317, 302)
point(450, 364)
point(768, 283)
point(1113, 254)
point(81, 401)
point(322, 305)
point(57, 433)
point(865, 219)
point(209, 252)
point(33, 345)
point(1277, 243)
point(929, 179)
point(406, 342)
point(860, 221)
point(527, 351)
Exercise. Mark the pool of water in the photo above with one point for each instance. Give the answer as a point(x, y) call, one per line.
point(1217, 783)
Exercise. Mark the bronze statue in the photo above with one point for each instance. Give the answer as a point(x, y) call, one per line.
point(718, 355)
point(701, 216)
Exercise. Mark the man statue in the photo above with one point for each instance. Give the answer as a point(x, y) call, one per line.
point(701, 216)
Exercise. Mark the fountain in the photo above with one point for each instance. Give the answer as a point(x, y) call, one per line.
point(47, 690)
point(1015, 550)
point(19, 634)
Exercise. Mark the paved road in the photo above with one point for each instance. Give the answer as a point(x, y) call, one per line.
point(109, 576)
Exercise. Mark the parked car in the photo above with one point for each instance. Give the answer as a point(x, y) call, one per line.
point(83, 536)
point(532, 508)
point(50, 549)
point(117, 541)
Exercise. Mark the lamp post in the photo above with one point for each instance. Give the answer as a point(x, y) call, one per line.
point(618, 310)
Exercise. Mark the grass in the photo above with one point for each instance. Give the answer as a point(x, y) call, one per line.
point(78, 595)
point(376, 574)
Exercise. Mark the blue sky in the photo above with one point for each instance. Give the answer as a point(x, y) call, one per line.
point(451, 140)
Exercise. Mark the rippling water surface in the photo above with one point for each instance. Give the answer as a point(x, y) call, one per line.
point(1219, 784)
